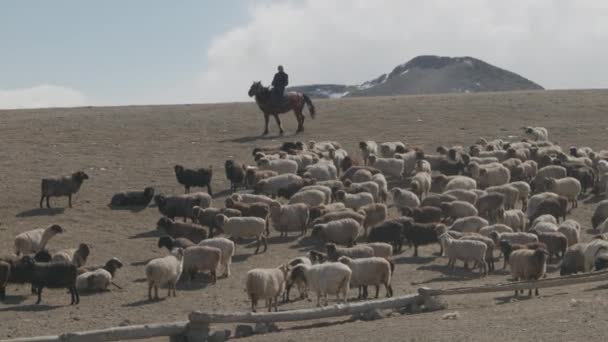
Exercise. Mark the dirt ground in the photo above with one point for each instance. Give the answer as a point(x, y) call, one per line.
point(133, 147)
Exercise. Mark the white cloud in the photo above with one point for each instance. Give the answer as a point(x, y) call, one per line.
point(558, 44)
point(41, 96)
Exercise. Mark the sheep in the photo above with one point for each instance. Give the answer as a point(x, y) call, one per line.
point(35, 240)
point(97, 280)
point(489, 248)
point(423, 214)
point(556, 242)
point(316, 257)
point(553, 206)
point(324, 279)
point(435, 200)
point(514, 218)
point(491, 206)
point(382, 186)
point(369, 271)
point(321, 171)
point(389, 148)
point(324, 189)
point(573, 260)
point(409, 162)
point(52, 275)
point(370, 187)
point(507, 248)
point(272, 185)
point(458, 209)
point(244, 227)
point(361, 251)
point(499, 228)
point(451, 167)
point(381, 249)
point(318, 211)
point(536, 134)
point(201, 258)
point(227, 247)
point(536, 199)
point(20, 272)
point(194, 177)
point(524, 193)
point(354, 201)
point(392, 167)
point(251, 198)
point(489, 175)
point(280, 166)
point(75, 256)
point(289, 217)
point(463, 195)
point(600, 214)
point(302, 289)
point(181, 205)
point(61, 186)
point(525, 171)
point(421, 184)
point(343, 231)
point(568, 187)
point(340, 214)
point(367, 149)
point(235, 173)
point(253, 176)
point(347, 163)
point(584, 174)
point(594, 248)
point(190, 231)
point(465, 250)
point(5, 271)
point(311, 198)
point(424, 166)
point(543, 218)
point(404, 199)
point(374, 213)
point(460, 182)
point(470, 224)
point(348, 174)
point(362, 175)
point(519, 237)
point(132, 198)
point(265, 283)
point(323, 145)
point(165, 271)
point(550, 171)
point(603, 227)
point(112, 265)
point(510, 193)
point(571, 229)
point(420, 234)
point(390, 232)
point(259, 209)
point(528, 264)
point(206, 217)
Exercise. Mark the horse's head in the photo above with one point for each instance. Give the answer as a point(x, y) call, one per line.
point(255, 88)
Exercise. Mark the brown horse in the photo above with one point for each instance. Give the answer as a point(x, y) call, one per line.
point(295, 101)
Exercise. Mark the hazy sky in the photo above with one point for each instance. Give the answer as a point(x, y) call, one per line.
point(70, 53)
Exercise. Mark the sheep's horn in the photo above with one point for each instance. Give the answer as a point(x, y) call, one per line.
point(113, 283)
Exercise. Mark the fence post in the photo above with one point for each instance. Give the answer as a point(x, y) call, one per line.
point(197, 332)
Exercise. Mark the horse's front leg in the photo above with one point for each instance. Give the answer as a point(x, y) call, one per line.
point(276, 117)
point(265, 124)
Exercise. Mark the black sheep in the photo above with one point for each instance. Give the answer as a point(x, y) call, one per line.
point(54, 275)
point(427, 214)
point(132, 198)
point(419, 234)
point(170, 243)
point(235, 173)
point(390, 231)
point(191, 178)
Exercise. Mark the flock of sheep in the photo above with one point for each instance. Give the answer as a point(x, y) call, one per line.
point(493, 199)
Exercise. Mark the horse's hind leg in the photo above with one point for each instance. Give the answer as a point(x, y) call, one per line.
point(265, 124)
point(300, 118)
point(278, 120)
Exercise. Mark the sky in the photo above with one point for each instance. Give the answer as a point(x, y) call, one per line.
point(115, 52)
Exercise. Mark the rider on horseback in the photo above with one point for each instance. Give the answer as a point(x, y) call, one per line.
point(279, 82)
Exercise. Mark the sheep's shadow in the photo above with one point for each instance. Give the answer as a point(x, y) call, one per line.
point(413, 260)
point(141, 280)
point(594, 199)
point(222, 193)
point(282, 239)
point(13, 300)
point(460, 273)
point(523, 297)
point(241, 257)
point(306, 242)
point(41, 212)
point(321, 324)
point(597, 288)
point(199, 282)
point(131, 208)
point(251, 138)
point(143, 302)
point(140, 263)
point(148, 234)
point(31, 308)
point(593, 232)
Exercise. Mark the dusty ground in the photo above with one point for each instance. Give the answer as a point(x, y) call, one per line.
point(132, 147)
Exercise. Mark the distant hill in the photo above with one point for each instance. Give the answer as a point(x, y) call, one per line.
point(429, 75)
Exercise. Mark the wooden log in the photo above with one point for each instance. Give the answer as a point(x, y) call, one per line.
point(520, 285)
point(198, 317)
point(115, 334)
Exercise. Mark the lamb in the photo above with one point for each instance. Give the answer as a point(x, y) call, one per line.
point(568, 187)
point(421, 184)
point(53, 275)
point(190, 178)
point(465, 250)
point(390, 232)
point(367, 148)
point(98, 280)
point(489, 248)
point(75, 256)
point(61, 186)
point(289, 217)
point(35, 240)
point(458, 209)
point(374, 213)
point(340, 214)
point(334, 252)
point(311, 198)
point(470, 224)
point(343, 231)
point(324, 279)
point(510, 193)
point(556, 242)
point(463, 195)
point(165, 271)
point(235, 173)
point(392, 167)
point(280, 166)
point(227, 247)
point(420, 234)
point(423, 214)
point(206, 217)
point(272, 185)
point(245, 227)
point(600, 214)
point(404, 199)
point(132, 198)
point(201, 258)
point(571, 229)
point(259, 209)
point(251, 198)
point(265, 283)
point(491, 206)
point(525, 171)
point(550, 171)
point(301, 285)
point(181, 205)
point(190, 231)
point(369, 271)
point(515, 219)
point(528, 264)
point(574, 260)
point(253, 176)
point(354, 201)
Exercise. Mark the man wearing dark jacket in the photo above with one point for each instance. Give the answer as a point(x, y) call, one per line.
point(279, 82)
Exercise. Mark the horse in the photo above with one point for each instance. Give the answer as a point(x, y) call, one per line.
point(295, 101)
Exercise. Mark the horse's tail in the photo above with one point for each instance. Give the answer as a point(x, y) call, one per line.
point(311, 107)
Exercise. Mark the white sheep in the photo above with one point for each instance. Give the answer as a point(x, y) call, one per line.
point(421, 184)
point(280, 166)
point(367, 272)
point(511, 194)
point(367, 148)
point(515, 219)
point(382, 186)
point(265, 283)
point(389, 148)
point(354, 201)
point(571, 229)
point(77, 256)
point(227, 247)
point(465, 250)
point(543, 218)
point(463, 195)
point(321, 171)
point(568, 187)
point(362, 175)
point(33, 241)
point(536, 133)
point(524, 193)
point(594, 248)
point(324, 279)
point(528, 264)
point(324, 189)
point(251, 198)
point(409, 161)
point(374, 214)
point(461, 182)
point(381, 249)
point(200, 259)
point(164, 271)
point(369, 187)
point(245, 227)
point(423, 166)
point(289, 217)
point(272, 185)
point(342, 231)
point(458, 209)
point(404, 199)
point(545, 227)
point(392, 167)
point(471, 224)
point(600, 213)
point(535, 200)
point(98, 280)
point(499, 228)
point(515, 237)
point(310, 197)
point(549, 171)
point(489, 175)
